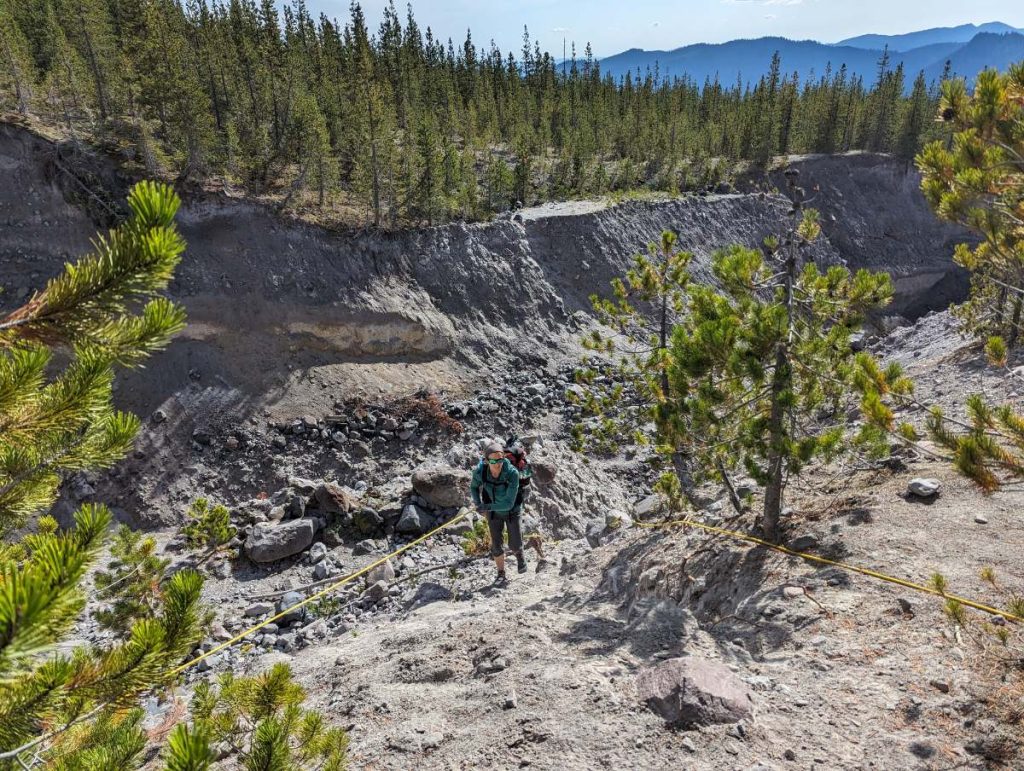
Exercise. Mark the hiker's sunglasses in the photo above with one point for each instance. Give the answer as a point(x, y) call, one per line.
point(493, 461)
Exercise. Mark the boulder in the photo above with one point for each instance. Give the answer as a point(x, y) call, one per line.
point(332, 501)
point(366, 546)
point(543, 471)
point(440, 485)
point(383, 572)
point(368, 522)
point(268, 543)
point(295, 508)
point(376, 592)
point(648, 507)
point(414, 521)
point(259, 609)
point(923, 488)
point(690, 692)
point(286, 602)
point(465, 524)
point(302, 485)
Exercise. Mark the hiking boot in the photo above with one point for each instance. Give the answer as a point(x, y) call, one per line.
point(520, 563)
point(501, 579)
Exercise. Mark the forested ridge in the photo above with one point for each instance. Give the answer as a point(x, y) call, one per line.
point(395, 126)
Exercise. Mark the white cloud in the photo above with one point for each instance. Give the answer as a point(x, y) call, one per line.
point(560, 29)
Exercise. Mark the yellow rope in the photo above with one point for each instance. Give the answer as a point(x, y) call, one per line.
point(854, 568)
point(321, 593)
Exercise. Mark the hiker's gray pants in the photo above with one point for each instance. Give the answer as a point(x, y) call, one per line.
point(496, 524)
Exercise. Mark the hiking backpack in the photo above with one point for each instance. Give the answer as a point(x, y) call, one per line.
point(516, 455)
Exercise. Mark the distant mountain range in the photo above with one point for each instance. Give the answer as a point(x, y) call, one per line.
point(968, 48)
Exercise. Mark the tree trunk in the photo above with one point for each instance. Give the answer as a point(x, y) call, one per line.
point(781, 382)
point(1015, 321)
point(20, 82)
point(734, 499)
point(101, 88)
point(682, 468)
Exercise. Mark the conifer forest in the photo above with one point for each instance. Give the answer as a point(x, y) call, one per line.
point(394, 126)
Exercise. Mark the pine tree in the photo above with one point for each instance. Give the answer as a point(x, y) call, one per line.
point(77, 711)
point(429, 184)
point(916, 116)
point(64, 80)
point(68, 423)
point(373, 126)
point(208, 526)
point(169, 85)
point(17, 70)
point(89, 28)
point(749, 368)
point(975, 181)
point(262, 717)
point(132, 585)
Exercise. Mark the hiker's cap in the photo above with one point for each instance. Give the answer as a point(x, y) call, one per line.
point(494, 447)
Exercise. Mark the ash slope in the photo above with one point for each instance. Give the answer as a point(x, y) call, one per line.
point(284, 315)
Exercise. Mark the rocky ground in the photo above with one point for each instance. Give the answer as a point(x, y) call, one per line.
point(573, 665)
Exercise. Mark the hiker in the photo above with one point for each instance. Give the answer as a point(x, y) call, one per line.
point(495, 488)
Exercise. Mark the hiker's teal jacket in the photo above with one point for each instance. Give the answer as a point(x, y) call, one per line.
point(495, 494)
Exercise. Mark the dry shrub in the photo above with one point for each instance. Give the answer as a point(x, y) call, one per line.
point(427, 409)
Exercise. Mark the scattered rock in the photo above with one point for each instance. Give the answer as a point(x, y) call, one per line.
point(648, 507)
point(615, 520)
point(981, 519)
point(414, 520)
point(430, 591)
point(376, 591)
point(383, 572)
point(291, 598)
point(317, 552)
point(259, 609)
point(923, 488)
point(690, 692)
point(364, 547)
point(268, 543)
point(940, 685)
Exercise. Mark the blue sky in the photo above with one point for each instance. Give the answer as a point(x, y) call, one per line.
point(615, 25)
